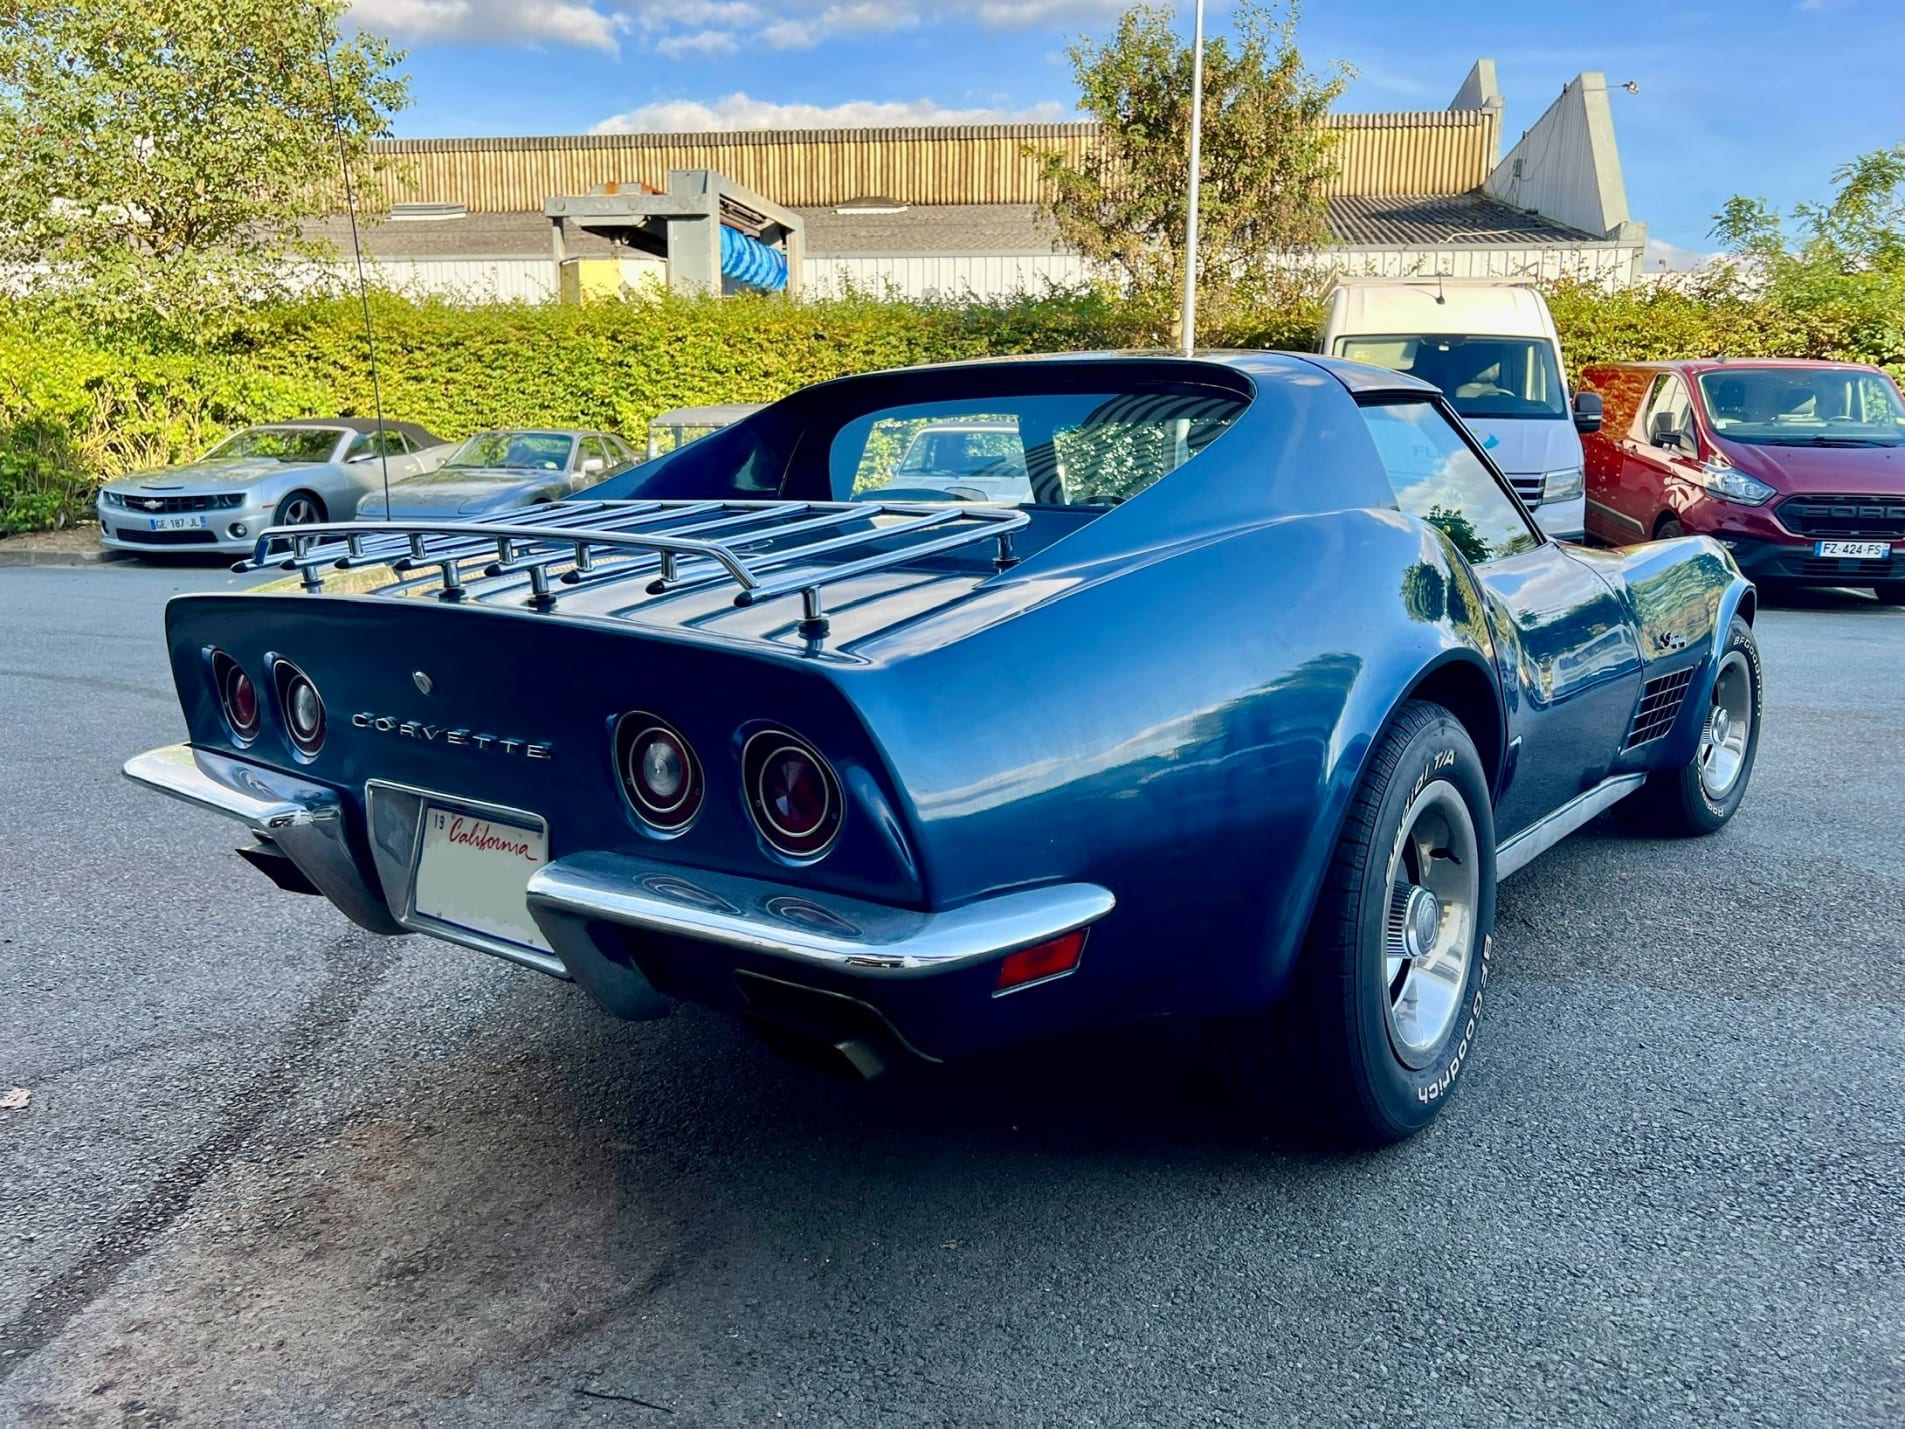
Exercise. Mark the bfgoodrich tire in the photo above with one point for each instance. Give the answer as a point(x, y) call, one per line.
point(1382, 1013)
point(1702, 795)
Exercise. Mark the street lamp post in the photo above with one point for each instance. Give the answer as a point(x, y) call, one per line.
point(1188, 323)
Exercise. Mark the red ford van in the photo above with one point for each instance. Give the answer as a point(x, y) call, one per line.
point(1798, 468)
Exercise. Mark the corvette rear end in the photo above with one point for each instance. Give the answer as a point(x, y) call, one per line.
point(689, 806)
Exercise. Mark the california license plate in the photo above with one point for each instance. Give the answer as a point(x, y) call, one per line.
point(473, 874)
point(178, 523)
point(1853, 550)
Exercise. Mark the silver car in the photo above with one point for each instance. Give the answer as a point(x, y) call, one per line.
point(280, 474)
point(495, 471)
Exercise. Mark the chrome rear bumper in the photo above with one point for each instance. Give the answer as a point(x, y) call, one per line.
point(578, 899)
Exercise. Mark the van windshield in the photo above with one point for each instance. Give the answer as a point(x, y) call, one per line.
point(1481, 376)
point(1804, 406)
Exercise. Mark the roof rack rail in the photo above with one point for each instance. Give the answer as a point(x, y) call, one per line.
point(690, 545)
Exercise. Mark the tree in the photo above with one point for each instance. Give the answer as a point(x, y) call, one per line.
point(1840, 281)
point(169, 149)
point(1267, 156)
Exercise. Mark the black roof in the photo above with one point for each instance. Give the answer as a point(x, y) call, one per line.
point(361, 424)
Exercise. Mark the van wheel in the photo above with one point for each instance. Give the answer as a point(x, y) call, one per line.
point(1890, 592)
point(1381, 1014)
point(1669, 530)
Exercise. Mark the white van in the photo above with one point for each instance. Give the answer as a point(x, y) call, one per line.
point(1492, 349)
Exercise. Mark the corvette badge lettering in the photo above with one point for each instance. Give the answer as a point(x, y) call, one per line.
point(461, 738)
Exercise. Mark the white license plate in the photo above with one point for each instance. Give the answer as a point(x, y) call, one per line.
point(1853, 550)
point(473, 871)
point(178, 523)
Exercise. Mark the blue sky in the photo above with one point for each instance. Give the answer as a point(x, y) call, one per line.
point(1762, 97)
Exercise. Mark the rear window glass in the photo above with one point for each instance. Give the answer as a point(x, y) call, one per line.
point(1059, 449)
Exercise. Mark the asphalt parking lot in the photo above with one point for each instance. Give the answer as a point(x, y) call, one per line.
point(276, 1170)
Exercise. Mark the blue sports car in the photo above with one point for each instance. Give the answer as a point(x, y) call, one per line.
point(1239, 717)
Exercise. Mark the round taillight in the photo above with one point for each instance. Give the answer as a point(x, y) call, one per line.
point(792, 793)
point(303, 707)
point(659, 771)
point(237, 695)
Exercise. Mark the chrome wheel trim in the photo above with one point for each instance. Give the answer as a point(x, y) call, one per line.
point(1729, 728)
point(1429, 926)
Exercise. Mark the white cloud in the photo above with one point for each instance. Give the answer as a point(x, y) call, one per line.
point(563, 22)
point(739, 111)
point(856, 19)
point(806, 24)
point(697, 42)
point(1662, 254)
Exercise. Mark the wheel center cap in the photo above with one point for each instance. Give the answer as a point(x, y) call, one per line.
point(1719, 725)
point(1421, 921)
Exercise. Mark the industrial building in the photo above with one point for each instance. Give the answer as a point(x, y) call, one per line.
point(953, 211)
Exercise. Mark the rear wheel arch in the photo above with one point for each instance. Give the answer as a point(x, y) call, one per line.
point(1466, 691)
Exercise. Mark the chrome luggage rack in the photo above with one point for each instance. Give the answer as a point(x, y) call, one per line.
point(689, 545)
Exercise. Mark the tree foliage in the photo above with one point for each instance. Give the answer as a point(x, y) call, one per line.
point(1837, 265)
point(165, 151)
point(1267, 157)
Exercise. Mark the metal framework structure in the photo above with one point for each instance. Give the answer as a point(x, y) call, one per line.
point(766, 548)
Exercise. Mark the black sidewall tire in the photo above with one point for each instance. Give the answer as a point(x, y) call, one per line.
point(284, 505)
point(1669, 530)
point(1706, 813)
point(1889, 592)
point(1402, 1100)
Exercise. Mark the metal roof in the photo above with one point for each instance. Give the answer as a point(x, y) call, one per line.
point(1440, 221)
point(964, 228)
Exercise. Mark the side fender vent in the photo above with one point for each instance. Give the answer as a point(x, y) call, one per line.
point(1660, 701)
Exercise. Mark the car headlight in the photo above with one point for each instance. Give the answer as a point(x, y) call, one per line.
point(1563, 485)
point(1724, 479)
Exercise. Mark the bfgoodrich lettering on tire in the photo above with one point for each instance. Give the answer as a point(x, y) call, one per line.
point(1381, 1018)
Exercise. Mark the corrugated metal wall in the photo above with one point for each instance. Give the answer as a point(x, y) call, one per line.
point(929, 276)
point(1438, 152)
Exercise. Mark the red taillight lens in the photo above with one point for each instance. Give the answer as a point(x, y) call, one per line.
point(660, 773)
point(1041, 961)
point(237, 695)
point(301, 705)
point(792, 793)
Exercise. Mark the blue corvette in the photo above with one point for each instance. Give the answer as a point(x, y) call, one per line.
point(1241, 717)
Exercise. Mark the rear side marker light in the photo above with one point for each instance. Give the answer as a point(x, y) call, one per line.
point(302, 707)
point(792, 793)
point(660, 774)
point(1041, 961)
point(237, 696)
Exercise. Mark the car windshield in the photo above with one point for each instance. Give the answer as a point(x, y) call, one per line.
point(288, 444)
point(1804, 406)
point(1481, 376)
point(1069, 448)
point(990, 451)
point(513, 451)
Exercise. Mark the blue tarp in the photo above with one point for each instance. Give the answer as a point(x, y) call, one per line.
point(748, 260)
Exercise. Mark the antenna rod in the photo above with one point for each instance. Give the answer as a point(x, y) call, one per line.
point(1188, 323)
point(363, 285)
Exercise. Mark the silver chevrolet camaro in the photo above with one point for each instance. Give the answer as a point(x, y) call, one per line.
point(279, 474)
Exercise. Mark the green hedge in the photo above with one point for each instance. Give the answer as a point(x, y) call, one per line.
point(77, 407)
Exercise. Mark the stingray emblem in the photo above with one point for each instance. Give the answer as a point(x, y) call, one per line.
point(423, 682)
